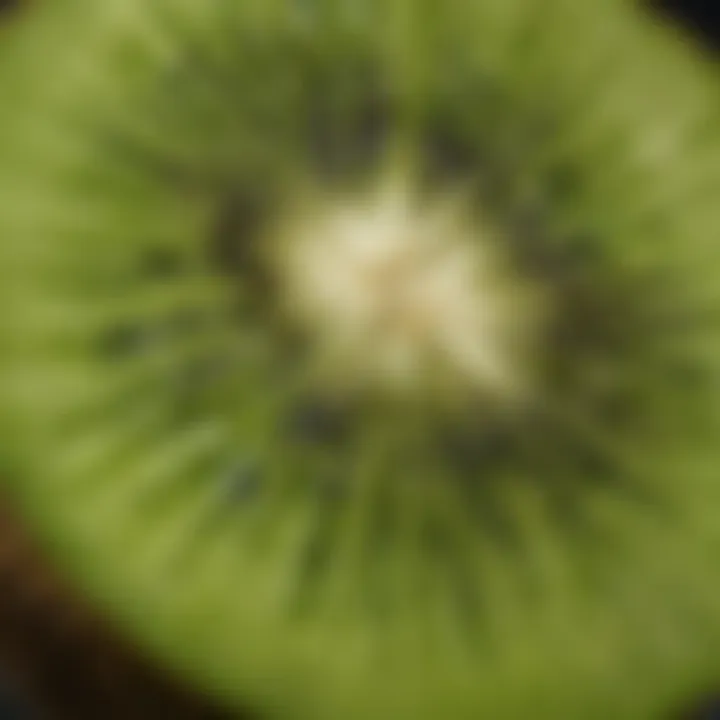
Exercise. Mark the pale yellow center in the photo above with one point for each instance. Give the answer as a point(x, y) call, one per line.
point(404, 294)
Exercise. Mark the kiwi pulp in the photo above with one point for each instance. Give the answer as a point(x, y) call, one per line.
point(363, 360)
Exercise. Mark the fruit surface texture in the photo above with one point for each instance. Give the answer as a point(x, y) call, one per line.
point(361, 358)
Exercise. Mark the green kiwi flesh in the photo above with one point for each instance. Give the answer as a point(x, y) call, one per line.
point(201, 429)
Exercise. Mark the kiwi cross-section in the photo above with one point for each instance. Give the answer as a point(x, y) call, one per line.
point(361, 358)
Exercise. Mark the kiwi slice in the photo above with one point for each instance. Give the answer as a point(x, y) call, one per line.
point(361, 358)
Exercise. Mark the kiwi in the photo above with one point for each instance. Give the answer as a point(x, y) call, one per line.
point(361, 358)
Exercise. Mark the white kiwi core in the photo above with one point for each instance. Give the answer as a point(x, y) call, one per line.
point(406, 294)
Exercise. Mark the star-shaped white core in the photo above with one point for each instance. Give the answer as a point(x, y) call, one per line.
point(402, 293)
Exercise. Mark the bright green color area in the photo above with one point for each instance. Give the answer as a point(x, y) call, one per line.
point(619, 619)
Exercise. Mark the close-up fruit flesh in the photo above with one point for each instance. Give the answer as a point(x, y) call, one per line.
point(362, 358)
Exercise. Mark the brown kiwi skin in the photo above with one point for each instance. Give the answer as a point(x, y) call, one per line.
point(60, 657)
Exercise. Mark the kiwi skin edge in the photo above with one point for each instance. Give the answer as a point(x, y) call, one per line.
point(58, 659)
point(114, 542)
point(61, 661)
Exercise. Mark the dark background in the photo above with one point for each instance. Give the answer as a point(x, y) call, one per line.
point(699, 16)
point(58, 662)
